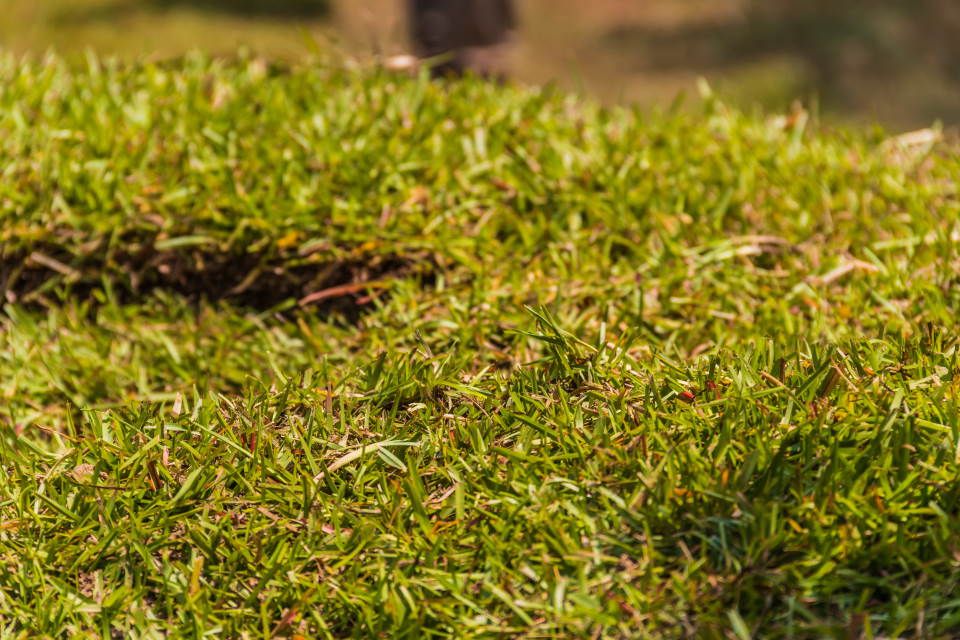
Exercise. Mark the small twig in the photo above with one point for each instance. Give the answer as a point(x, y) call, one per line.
point(844, 269)
point(342, 290)
point(773, 379)
point(54, 264)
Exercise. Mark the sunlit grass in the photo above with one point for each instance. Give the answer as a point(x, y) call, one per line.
point(295, 351)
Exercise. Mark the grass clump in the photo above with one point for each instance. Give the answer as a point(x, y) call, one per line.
point(296, 351)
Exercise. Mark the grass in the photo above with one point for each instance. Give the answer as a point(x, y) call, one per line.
point(294, 351)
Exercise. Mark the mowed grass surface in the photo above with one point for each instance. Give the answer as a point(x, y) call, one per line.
point(302, 352)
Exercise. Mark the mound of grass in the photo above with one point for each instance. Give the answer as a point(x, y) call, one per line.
point(307, 352)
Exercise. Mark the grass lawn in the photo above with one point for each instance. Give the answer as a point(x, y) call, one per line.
point(293, 351)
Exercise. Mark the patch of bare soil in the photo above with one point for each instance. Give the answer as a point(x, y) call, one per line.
point(256, 281)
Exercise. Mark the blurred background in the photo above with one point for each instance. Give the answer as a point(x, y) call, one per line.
point(896, 62)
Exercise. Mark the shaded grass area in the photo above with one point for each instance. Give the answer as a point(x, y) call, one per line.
point(285, 9)
point(663, 374)
point(87, 13)
point(162, 28)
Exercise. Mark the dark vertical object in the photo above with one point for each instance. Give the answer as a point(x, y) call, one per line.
point(463, 34)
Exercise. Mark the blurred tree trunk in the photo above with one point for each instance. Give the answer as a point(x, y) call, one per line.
point(463, 34)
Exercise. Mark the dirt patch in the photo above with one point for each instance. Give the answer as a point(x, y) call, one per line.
point(257, 281)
